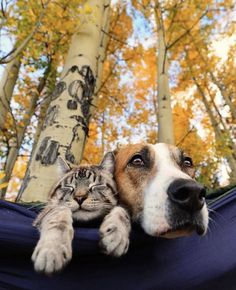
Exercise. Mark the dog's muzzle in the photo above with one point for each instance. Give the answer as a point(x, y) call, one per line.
point(186, 206)
point(187, 195)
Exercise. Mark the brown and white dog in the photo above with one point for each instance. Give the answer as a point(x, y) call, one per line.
point(157, 189)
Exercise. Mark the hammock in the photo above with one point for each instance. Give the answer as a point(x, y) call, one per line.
point(186, 263)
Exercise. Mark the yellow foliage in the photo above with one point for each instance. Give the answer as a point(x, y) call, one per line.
point(2, 175)
point(127, 106)
point(3, 185)
point(20, 167)
point(187, 137)
point(87, 9)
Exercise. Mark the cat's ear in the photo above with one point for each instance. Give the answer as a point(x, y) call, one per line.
point(108, 162)
point(63, 166)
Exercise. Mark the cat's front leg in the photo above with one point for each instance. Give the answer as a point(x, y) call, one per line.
point(54, 248)
point(115, 231)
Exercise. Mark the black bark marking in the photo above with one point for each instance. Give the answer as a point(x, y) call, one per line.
point(70, 156)
point(42, 148)
point(81, 123)
point(81, 91)
point(74, 68)
point(75, 136)
point(88, 90)
point(75, 89)
point(51, 116)
point(164, 98)
point(87, 87)
point(85, 101)
point(85, 107)
point(48, 151)
point(87, 74)
point(59, 89)
point(49, 156)
point(72, 105)
point(25, 184)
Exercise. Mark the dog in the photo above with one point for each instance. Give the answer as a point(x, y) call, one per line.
point(156, 190)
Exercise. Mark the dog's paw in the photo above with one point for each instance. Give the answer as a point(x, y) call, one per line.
point(114, 238)
point(51, 257)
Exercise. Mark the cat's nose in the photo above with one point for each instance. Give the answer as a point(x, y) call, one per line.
point(80, 199)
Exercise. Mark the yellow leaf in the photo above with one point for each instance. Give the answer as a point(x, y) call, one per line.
point(87, 9)
point(2, 174)
point(3, 185)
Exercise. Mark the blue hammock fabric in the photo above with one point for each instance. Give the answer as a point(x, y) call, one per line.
point(186, 263)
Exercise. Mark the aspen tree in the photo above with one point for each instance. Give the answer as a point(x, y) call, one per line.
point(10, 74)
point(165, 122)
point(66, 124)
point(16, 143)
point(7, 85)
point(219, 135)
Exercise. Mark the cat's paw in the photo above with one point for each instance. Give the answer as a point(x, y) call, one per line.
point(114, 238)
point(50, 257)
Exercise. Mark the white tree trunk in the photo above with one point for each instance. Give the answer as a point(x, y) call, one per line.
point(10, 75)
point(165, 119)
point(66, 123)
point(219, 135)
point(224, 95)
point(15, 144)
point(7, 85)
point(103, 48)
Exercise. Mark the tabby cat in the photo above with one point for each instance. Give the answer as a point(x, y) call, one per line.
point(83, 194)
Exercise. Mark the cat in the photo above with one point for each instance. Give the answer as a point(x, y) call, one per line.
point(85, 193)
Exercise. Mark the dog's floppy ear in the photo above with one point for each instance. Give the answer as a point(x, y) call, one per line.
point(108, 162)
point(63, 166)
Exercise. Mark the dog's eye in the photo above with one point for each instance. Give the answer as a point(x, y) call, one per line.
point(136, 160)
point(188, 162)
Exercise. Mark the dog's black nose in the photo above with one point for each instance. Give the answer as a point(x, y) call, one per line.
point(187, 194)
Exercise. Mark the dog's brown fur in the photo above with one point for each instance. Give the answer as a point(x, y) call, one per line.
point(131, 181)
point(143, 195)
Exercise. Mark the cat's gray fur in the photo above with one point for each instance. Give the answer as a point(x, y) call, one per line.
point(83, 194)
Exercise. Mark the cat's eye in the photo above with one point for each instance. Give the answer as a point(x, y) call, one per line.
point(187, 162)
point(136, 160)
point(98, 187)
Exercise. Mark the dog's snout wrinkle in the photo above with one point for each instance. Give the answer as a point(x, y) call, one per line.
point(187, 194)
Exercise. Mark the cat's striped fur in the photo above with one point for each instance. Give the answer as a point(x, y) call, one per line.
point(83, 194)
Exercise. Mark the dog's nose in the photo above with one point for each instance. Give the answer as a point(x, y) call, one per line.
point(187, 194)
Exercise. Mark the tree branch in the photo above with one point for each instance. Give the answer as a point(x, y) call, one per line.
point(185, 136)
point(16, 51)
point(187, 31)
